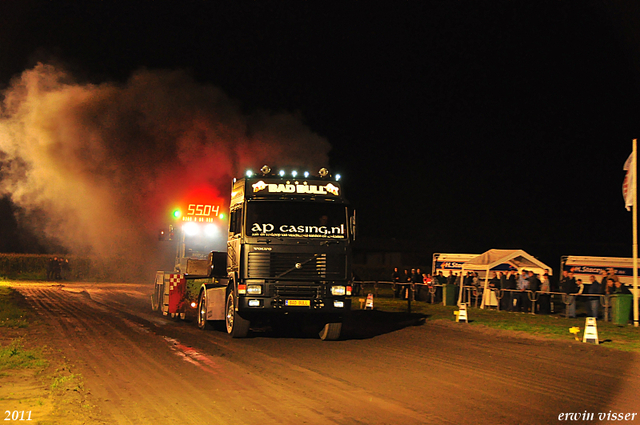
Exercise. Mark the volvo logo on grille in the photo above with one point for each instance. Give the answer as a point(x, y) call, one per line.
point(298, 265)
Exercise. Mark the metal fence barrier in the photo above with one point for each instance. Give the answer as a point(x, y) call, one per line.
point(473, 295)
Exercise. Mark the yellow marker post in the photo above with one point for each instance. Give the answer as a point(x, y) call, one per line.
point(574, 330)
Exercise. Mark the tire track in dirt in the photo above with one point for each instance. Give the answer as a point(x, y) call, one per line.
point(100, 342)
point(85, 328)
point(97, 353)
point(542, 379)
point(427, 374)
point(337, 391)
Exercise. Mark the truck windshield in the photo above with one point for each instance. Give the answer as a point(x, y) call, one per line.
point(296, 219)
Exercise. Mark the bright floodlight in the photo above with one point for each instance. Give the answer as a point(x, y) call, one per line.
point(306, 174)
point(249, 173)
point(338, 177)
point(210, 230)
point(191, 228)
point(281, 173)
point(294, 173)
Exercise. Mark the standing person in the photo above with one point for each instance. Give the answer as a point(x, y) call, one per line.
point(406, 280)
point(593, 301)
point(544, 303)
point(575, 288)
point(521, 295)
point(534, 282)
point(395, 278)
point(603, 281)
point(51, 268)
point(416, 280)
point(494, 282)
point(57, 268)
point(569, 287)
point(416, 276)
point(611, 273)
point(427, 284)
point(468, 279)
point(534, 286)
point(64, 268)
point(512, 283)
point(440, 280)
point(506, 295)
point(620, 288)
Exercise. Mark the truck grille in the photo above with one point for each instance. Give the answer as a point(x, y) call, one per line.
point(287, 266)
point(297, 291)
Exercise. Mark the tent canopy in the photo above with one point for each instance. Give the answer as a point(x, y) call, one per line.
point(494, 257)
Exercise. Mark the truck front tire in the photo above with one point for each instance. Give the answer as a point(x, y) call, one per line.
point(237, 326)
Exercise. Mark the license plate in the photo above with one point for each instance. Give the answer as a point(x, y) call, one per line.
point(297, 303)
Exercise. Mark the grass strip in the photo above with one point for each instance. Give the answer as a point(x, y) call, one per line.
point(15, 356)
point(11, 316)
point(553, 326)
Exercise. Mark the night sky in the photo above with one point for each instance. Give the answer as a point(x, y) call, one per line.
point(464, 126)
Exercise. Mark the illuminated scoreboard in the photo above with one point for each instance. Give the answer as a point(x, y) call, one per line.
point(199, 213)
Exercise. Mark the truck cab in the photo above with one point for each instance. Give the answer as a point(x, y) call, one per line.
point(289, 251)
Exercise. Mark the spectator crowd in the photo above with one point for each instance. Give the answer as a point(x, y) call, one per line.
point(519, 291)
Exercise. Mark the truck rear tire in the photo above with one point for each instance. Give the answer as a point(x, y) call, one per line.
point(203, 323)
point(237, 326)
point(331, 331)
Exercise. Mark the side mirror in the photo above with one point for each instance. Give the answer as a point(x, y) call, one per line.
point(352, 225)
point(218, 262)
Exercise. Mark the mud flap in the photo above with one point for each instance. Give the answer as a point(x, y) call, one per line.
point(158, 291)
point(216, 297)
point(173, 295)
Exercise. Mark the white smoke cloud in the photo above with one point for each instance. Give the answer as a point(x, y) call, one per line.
point(96, 167)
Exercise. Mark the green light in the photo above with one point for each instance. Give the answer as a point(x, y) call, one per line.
point(177, 213)
point(222, 216)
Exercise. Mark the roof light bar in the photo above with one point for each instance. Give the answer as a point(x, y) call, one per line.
point(266, 171)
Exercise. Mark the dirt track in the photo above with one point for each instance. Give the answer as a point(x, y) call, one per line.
point(142, 368)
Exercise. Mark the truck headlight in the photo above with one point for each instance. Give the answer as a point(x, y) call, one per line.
point(254, 289)
point(338, 290)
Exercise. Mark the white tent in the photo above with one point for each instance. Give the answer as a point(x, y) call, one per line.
point(495, 257)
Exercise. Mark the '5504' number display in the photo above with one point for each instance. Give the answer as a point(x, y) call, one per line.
point(202, 210)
